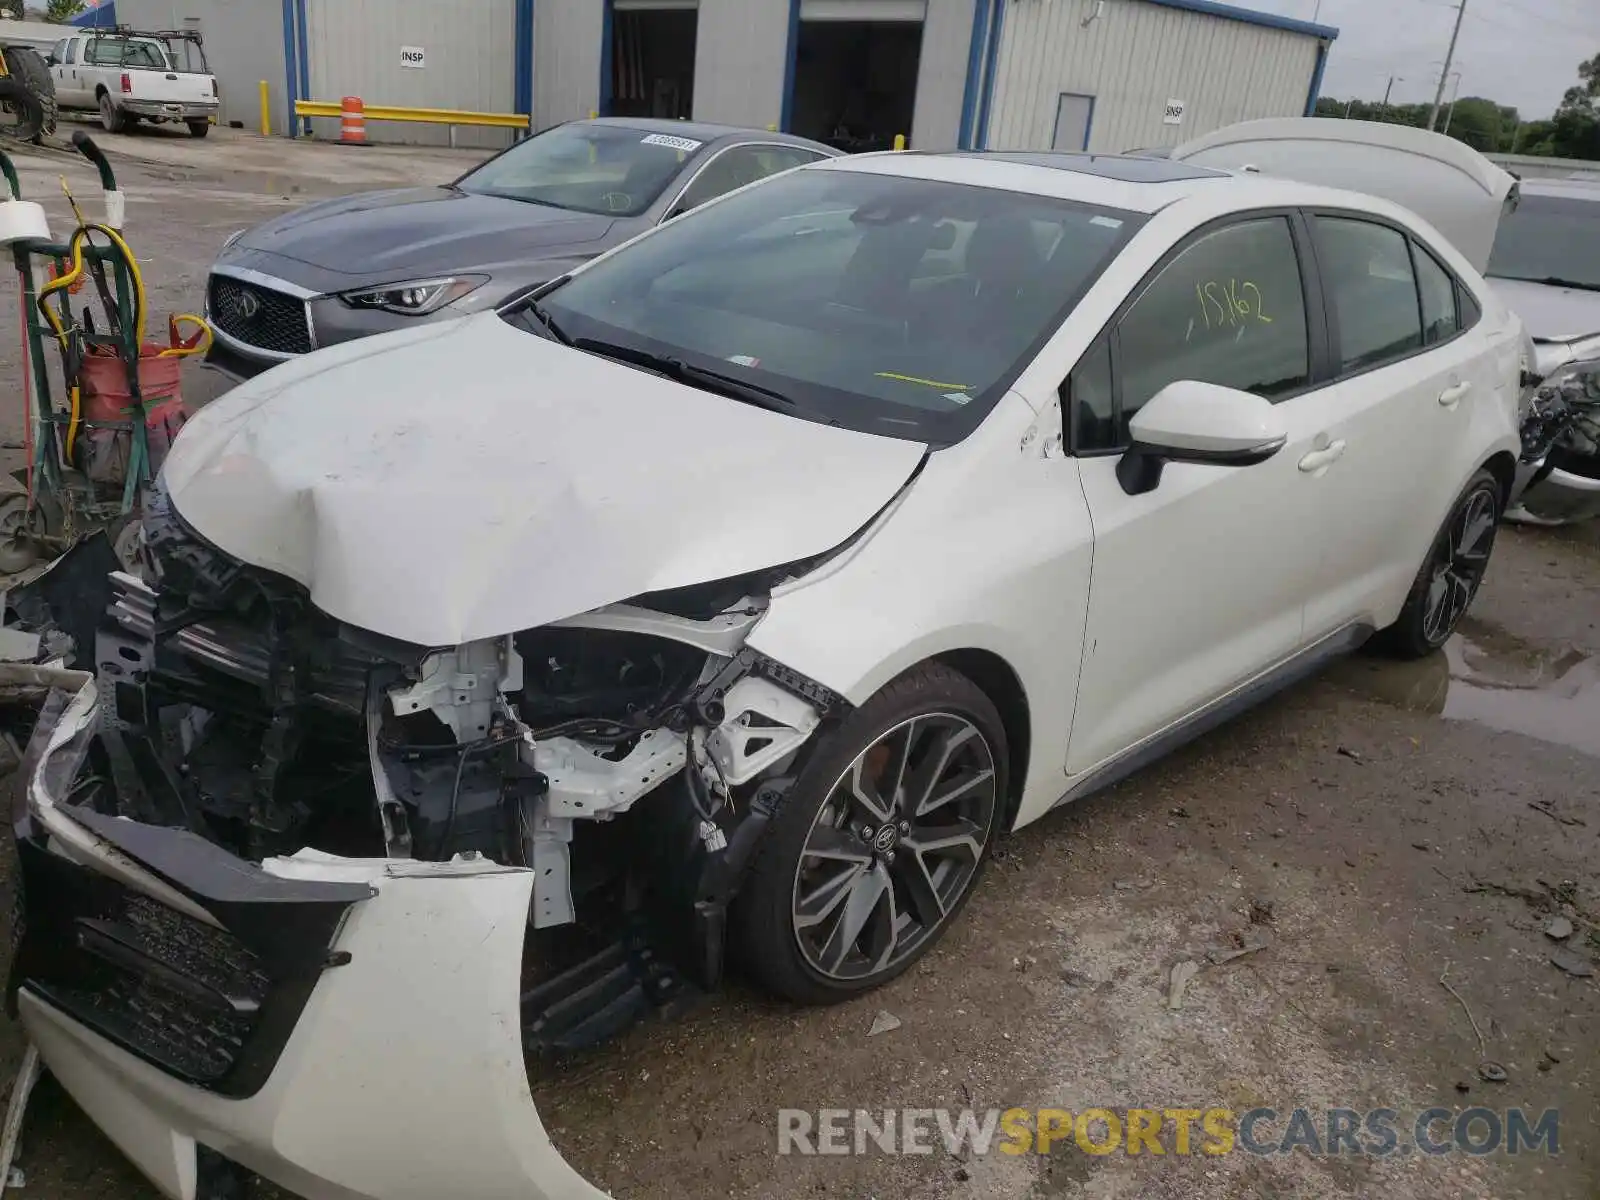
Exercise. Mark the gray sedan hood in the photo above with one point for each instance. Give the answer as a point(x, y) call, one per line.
point(469, 479)
point(414, 232)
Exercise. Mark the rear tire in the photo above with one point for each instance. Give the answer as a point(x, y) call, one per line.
point(1451, 574)
point(112, 118)
point(881, 842)
point(29, 69)
point(199, 128)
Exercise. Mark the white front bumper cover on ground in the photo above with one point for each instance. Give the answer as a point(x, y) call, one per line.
point(403, 1078)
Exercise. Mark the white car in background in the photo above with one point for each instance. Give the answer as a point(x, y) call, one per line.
point(1546, 266)
point(777, 563)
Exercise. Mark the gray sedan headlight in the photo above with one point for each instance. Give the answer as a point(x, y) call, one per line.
point(416, 297)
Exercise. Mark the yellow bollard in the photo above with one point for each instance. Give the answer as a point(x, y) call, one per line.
point(899, 141)
point(266, 113)
point(772, 129)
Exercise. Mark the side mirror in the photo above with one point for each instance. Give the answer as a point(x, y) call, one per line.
point(1193, 422)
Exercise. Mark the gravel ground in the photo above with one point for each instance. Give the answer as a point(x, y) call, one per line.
point(1390, 838)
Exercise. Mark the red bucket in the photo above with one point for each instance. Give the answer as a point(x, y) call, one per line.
point(102, 453)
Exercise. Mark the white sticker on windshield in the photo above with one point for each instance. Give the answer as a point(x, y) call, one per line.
point(1108, 222)
point(744, 360)
point(667, 139)
point(958, 397)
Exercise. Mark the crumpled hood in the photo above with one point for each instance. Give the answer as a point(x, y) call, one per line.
point(418, 231)
point(1553, 314)
point(469, 479)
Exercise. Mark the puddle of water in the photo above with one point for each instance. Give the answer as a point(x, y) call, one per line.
point(1490, 678)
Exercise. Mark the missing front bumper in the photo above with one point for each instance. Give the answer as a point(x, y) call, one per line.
point(395, 1073)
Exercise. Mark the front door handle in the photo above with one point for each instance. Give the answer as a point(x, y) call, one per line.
point(1454, 394)
point(1327, 456)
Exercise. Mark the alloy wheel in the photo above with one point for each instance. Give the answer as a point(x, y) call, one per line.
point(894, 847)
point(1459, 566)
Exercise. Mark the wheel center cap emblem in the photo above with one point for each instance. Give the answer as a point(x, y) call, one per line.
point(888, 837)
point(247, 306)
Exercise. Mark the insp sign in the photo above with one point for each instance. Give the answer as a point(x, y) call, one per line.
point(1172, 116)
point(414, 57)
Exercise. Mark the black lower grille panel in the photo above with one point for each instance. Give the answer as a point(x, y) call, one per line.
point(212, 1006)
point(258, 316)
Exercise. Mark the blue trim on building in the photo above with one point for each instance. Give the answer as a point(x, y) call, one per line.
point(997, 24)
point(607, 66)
point(1316, 79)
point(1250, 16)
point(290, 70)
point(523, 85)
point(791, 61)
point(969, 95)
point(93, 18)
point(304, 58)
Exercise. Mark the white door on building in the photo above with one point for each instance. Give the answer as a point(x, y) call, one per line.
point(1073, 116)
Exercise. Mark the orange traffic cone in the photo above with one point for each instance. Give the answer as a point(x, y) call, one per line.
point(352, 122)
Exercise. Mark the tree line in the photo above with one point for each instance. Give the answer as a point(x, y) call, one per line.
point(1483, 124)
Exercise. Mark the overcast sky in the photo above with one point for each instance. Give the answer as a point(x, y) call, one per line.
point(1521, 52)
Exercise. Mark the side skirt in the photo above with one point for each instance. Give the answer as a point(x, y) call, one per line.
point(1286, 674)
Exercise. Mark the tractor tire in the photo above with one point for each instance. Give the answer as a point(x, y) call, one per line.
point(29, 69)
point(21, 116)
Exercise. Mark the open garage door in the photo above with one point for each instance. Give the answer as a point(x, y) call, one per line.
point(855, 77)
point(652, 57)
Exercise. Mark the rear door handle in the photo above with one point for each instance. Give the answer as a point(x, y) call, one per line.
point(1454, 394)
point(1318, 459)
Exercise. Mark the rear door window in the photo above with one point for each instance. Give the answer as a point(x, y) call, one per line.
point(1371, 290)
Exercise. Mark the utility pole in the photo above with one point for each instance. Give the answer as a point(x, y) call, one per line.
point(1383, 112)
point(1451, 111)
point(1444, 75)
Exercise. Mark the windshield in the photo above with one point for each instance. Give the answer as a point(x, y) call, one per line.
point(1550, 237)
point(606, 169)
point(897, 306)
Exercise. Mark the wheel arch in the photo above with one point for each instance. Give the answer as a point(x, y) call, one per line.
point(1503, 466)
point(998, 680)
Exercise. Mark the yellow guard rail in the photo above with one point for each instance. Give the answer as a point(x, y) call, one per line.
point(452, 117)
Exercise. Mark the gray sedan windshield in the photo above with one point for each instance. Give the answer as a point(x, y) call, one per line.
point(605, 169)
point(1550, 238)
point(893, 305)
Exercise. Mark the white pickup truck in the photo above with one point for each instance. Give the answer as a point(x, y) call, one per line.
point(128, 76)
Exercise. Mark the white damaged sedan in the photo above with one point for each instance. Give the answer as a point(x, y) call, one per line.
point(488, 681)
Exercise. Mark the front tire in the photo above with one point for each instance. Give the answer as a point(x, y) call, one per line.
point(1451, 574)
point(881, 842)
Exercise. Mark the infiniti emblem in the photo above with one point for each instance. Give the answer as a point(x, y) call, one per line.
point(247, 306)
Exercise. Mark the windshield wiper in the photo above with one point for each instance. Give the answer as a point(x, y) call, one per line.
point(540, 315)
point(701, 377)
point(1555, 281)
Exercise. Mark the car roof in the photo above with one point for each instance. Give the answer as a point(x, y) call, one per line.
point(705, 131)
point(1110, 180)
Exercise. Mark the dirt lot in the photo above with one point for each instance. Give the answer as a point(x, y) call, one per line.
point(1397, 835)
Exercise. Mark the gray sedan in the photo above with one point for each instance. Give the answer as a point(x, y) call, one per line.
point(377, 261)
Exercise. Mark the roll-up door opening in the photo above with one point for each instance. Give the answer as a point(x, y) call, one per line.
point(855, 79)
point(652, 58)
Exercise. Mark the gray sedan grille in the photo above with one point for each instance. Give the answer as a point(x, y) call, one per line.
point(259, 316)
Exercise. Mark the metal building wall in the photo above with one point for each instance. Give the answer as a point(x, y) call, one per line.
point(567, 36)
point(1134, 58)
point(942, 74)
point(353, 48)
point(244, 45)
point(742, 59)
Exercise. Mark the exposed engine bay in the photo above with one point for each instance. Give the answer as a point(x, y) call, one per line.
point(630, 757)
